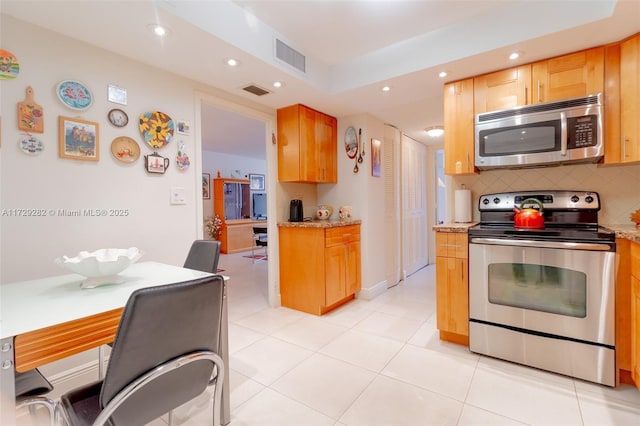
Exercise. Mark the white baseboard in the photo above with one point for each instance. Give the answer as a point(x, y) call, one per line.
point(371, 293)
point(72, 378)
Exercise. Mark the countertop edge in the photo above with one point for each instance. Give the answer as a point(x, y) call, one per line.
point(628, 232)
point(454, 227)
point(319, 223)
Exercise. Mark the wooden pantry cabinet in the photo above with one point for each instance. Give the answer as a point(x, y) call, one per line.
point(319, 266)
point(307, 145)
point(459, 157)
point(452, 286)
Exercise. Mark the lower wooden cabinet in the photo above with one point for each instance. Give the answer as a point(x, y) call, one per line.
point(452, 286)
point(237, 235)
point(319, 267)
point(635, 313)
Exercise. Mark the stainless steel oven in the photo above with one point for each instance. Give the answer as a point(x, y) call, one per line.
point(544, 297)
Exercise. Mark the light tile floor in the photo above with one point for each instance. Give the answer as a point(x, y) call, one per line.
point(380, 362)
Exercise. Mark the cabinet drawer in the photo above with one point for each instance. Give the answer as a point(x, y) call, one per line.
point(635, 260)
point(342, 235)
point(452, 244)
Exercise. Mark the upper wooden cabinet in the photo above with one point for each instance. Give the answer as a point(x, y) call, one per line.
point(502, 89)
point(307, 145)
point(622, 109)
point(630, 99)
point(459, 158)
point(568, 76)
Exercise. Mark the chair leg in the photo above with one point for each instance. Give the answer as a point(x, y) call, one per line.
point(170, 418)
point(101, 356)
point(40, 400)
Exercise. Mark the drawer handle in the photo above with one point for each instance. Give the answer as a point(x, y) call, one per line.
point(346, 235)
point(449, 245)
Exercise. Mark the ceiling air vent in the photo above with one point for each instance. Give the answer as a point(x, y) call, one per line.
point(256, 90)
point(291, 56)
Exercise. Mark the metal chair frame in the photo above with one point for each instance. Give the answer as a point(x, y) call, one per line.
point(259, 232)
point(162, 369)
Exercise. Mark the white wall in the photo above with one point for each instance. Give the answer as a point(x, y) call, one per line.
point(163, 231)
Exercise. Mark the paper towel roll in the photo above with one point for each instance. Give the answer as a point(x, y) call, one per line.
point(463, 205)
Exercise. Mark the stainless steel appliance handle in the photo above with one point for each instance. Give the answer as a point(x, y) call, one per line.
point(563, 134)
point(542, 244)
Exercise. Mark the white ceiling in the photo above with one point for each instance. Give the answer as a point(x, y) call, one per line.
point(352, 48)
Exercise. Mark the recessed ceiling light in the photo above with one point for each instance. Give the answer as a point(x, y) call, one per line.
point(278, 84)
point(158, 30)
point(513, 56)
point(442, 74)
point(386, 88)
point(233, 62)
point(435, 131)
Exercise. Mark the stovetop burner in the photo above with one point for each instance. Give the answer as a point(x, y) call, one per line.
point(568, 216)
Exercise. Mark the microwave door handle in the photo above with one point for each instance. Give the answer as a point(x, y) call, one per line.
point(563, 134)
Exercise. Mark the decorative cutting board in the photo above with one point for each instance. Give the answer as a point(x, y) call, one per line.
point(30, 114)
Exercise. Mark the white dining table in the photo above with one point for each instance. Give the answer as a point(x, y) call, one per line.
point(48, 319)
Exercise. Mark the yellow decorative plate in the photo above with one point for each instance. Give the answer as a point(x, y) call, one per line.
point(156, 128)
point(125, 149)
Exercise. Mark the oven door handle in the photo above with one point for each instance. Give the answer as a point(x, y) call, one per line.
point(542, 244)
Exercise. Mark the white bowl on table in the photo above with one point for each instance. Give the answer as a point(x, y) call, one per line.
point(101, 267)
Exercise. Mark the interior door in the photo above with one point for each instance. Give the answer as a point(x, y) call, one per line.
point(392, 229)
point(414, 205)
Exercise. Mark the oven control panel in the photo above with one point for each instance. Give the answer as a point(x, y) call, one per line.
point(553, 200)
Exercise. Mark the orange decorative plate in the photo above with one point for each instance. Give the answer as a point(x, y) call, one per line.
point(156, 128)
point(125, 149)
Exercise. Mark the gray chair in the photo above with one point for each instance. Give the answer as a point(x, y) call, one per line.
point(165, 353)
point(203, 256)
point(31, 388)
point(260, 238)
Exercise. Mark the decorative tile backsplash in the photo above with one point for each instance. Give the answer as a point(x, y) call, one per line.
point(618, 186)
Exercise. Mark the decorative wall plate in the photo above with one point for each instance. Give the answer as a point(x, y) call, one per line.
point(125, 149)
point(75, 95)
point(156, 128)
point(31, 145)
point(9, 66)
point(351, 142)
point(118, 117)
point(155, 163)
point(182, 159)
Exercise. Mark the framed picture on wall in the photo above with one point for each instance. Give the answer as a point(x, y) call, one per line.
point(375, 157)
point(257, 182)
point(206, 186)
point(78, 139)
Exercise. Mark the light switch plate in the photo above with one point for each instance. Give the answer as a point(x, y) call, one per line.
point(178, 195)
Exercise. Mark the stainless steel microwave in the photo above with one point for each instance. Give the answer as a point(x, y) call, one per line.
point(551, 133)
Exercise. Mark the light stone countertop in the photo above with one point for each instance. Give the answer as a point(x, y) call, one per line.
point(454, 227)
point(629, 232)
point(320, 223)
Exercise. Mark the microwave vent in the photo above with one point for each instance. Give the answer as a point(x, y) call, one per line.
point(531, 109)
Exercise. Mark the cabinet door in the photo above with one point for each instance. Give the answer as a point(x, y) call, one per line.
point(308, 160)
point(459, 124)
point(288, 144)
point(502, 89)
point(635, 330)
point(452, 295)
point(326, 148)
point(335, 267)
point(569, 76)
point(629, 99)
point(353, 267)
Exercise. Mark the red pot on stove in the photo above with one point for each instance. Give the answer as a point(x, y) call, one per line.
point(529, 217)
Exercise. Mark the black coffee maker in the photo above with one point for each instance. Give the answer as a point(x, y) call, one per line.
point(295, 211)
